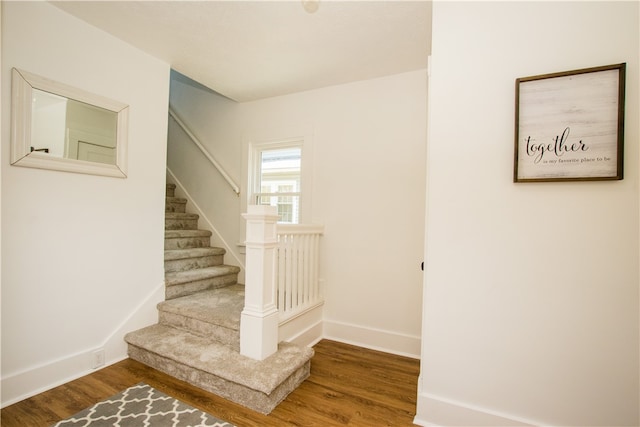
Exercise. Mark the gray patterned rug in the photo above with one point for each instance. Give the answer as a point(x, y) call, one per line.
point(142, 405)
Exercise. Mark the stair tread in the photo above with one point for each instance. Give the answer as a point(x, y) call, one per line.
point(199, 273)
point(217, 359)
point(180, 215)
point(169, 234)
point(175, 199)
point(221, 306)
point(175, 254)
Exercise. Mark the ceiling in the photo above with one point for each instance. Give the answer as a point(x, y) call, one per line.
point(247, 50)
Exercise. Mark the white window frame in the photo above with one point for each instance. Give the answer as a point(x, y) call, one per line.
point(255, 161)
point(252, 146)
point(256, 175)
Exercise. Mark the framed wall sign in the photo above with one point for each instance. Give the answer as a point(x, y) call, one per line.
point(570, 125)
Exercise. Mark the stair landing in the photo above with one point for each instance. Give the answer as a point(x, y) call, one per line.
point(217, 306)
point(214, 314)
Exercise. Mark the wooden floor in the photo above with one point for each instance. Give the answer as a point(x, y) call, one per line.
point(348, 386)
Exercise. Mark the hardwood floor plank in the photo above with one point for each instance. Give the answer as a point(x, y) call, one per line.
point(348, 386)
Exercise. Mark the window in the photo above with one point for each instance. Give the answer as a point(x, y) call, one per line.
point(277, 179)
point(278, 171)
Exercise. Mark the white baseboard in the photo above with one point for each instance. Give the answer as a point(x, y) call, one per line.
point(35, 380)
point(219, 240)
point(305, 330)
point(28, 383)
point(434, 411)
point(145, 314)
point(374, 339)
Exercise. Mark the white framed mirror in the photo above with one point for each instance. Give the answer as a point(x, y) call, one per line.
point(59, 127)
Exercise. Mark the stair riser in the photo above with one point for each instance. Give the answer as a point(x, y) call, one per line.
point(225, 336)
point(192, 263)
point(180, 224)
point(170, 191)
point(252, 399)
point(178, 207)
point(183, 289)
point(187, 242)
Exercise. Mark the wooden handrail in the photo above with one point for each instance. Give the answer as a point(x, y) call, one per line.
point(196, 141)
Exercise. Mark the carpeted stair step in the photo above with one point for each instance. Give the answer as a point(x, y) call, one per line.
point(188, 259)
point(214, 314)
point(175, 204)
point(184, 239)
point(170, 190)
point(184, 283)
point(180, 221)
point(258, 385)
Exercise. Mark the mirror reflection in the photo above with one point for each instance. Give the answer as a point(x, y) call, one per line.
point(71, 129)
point(61, 127)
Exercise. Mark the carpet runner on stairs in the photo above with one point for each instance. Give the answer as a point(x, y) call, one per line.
point(197, 338)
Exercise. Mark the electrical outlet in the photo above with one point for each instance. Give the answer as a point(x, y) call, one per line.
point(98, 358)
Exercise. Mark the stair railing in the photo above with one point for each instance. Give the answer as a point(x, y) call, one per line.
point(206, 153)
point(296, 269)
point(281, 280)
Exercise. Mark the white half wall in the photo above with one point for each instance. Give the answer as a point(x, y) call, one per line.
point(82, 255)
point(531, 305)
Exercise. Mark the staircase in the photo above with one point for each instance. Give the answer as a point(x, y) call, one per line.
point(197, 337)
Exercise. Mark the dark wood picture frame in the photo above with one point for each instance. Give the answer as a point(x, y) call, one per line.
point(569, 126)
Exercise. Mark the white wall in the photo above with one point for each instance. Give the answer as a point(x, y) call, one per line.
point(214, 121)
point(531, 298)
point(368, 143)
point(82, 255)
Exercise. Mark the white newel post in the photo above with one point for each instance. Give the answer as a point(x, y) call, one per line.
point(259, 318)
